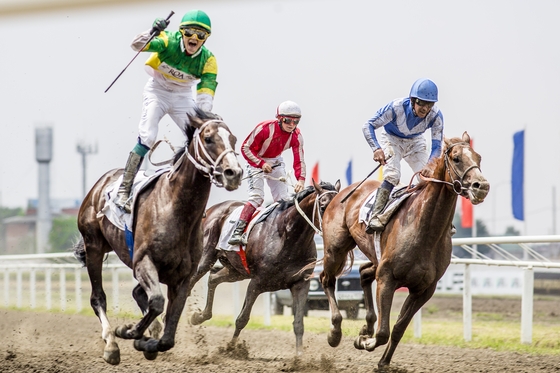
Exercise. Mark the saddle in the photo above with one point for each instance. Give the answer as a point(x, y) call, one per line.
point(396, 198)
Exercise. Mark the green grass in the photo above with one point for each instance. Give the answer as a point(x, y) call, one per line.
point(486, 334)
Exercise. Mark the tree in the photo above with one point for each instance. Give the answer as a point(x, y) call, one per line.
point(64, 233)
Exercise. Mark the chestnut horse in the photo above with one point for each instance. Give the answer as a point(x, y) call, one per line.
point(167, 235)
point(277, 250)
point(415, 247)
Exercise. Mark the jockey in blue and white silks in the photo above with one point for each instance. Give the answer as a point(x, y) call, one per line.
point(403, 122)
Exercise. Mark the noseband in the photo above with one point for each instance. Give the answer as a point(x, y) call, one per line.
point(315, 209)
point(457, 184)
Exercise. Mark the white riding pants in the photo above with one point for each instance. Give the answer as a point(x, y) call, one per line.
point(414, 151)
point(278, 189)
point(158, 101)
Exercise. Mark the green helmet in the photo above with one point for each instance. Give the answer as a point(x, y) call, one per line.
point(196, 18)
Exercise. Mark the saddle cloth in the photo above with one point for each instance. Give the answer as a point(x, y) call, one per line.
point(231, 222)
point(116, 216)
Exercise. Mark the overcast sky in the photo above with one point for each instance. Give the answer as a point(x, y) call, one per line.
point(495, 63)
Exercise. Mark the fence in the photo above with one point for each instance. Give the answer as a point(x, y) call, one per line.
point(40, 272)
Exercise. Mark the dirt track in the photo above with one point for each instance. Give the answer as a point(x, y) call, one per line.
point(57, 343)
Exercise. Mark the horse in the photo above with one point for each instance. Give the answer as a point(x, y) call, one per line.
point(277, 250)
point(167, 235)
point(415, 247)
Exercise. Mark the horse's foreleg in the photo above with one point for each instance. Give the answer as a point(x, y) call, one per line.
point(214, 279)
point(411, 305)
point(98, 301)
point(147, 276)
point(245, 314)
point(155, 327)
point(367, 276)
point(299, 295)
point(385, 291)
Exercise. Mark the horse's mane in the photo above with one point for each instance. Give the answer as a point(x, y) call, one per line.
point(201, 114)
point(287, 203)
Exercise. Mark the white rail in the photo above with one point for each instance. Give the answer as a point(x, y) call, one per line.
point(30, 266)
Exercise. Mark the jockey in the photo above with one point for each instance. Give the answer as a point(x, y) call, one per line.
point(179, 61)
point(404, 121)
point(262, 149)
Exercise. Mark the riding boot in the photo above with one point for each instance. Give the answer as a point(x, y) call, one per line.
point(381, 198)
point(123, 200)
point(237, 236)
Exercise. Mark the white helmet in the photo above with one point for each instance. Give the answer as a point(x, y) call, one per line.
point(288, 109)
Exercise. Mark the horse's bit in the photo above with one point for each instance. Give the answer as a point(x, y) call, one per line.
point(315, 208)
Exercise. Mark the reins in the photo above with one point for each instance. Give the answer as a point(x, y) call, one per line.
point(315, 207)
point(457, 184)
point(209, 168)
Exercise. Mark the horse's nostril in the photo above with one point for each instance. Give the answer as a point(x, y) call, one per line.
point(228, 172)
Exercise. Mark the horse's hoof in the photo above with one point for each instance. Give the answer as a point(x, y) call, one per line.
point(197, 318)
point(150, 355)
point(122, 331)
point(359, 342)
point(112, 356)
point(370, 344)
point(334, 338)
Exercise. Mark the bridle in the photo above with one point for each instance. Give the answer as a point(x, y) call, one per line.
point(315, 209)
point(457, 184)
point(206, 164)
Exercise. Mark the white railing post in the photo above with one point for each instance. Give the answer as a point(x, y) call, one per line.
point(527, 306)
point(467, 304)
point(115, 286)
point(62, 289)
point(48, 288)
point(6, 287)
point(19, 289)
point(266, 304)
point(78, 283)
point(418, 324)
point(236, 300)
point(32, 287)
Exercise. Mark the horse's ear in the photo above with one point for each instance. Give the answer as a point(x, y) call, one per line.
point(337, 185)
point(466, 137)
point(315, 185)
point(194, 120)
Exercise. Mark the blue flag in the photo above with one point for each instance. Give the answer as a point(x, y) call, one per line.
point(517, 175)
point(349, 172)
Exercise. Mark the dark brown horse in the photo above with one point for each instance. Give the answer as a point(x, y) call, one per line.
point(277, 250)
point(415, 247)
point(167, 235)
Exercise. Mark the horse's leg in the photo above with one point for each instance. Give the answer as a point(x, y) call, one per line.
point(98, 301)
point(333, 261)
point(176, 297)
point(250, 297)
point(386, 287)
point(299, 295)
point(147, 276)
point(411, 305)
point(367, 276)
point(209, 258)
point(223, 275)
point(155, 328)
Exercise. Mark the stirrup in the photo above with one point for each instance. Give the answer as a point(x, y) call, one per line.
point(124, 204)
point(374, 225)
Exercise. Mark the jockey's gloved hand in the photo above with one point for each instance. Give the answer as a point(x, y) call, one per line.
point(159, 25)
point(299, 186)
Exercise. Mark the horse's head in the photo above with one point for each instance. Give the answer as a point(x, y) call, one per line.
point(325, 193)
point(213, 150)
point(462, 166)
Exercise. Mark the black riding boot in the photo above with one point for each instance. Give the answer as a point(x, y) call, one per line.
point(381, 198)
point(237, 236)
point(123, 200)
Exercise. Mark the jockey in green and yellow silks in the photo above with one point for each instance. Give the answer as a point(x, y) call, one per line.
point(179, 61)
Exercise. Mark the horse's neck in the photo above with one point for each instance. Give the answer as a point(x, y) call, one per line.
point(300, 223)
point(186, 180)
point(439, 198)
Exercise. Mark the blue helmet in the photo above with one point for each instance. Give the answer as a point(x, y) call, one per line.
point(425, 90)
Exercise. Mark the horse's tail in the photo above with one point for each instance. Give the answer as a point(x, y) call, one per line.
point(308, 267)
point(80, 251)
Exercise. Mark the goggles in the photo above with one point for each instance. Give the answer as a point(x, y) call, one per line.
point(295, 121)
point(200, 34)
point(423, 103)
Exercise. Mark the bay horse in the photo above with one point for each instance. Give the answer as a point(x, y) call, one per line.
point(167, 235)
point(415, 247)
point(277, 250)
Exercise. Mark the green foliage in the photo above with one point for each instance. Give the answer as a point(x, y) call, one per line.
point(63, 233)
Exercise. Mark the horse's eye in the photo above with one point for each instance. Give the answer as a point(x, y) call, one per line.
point(456, 159)
point(208, 139)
